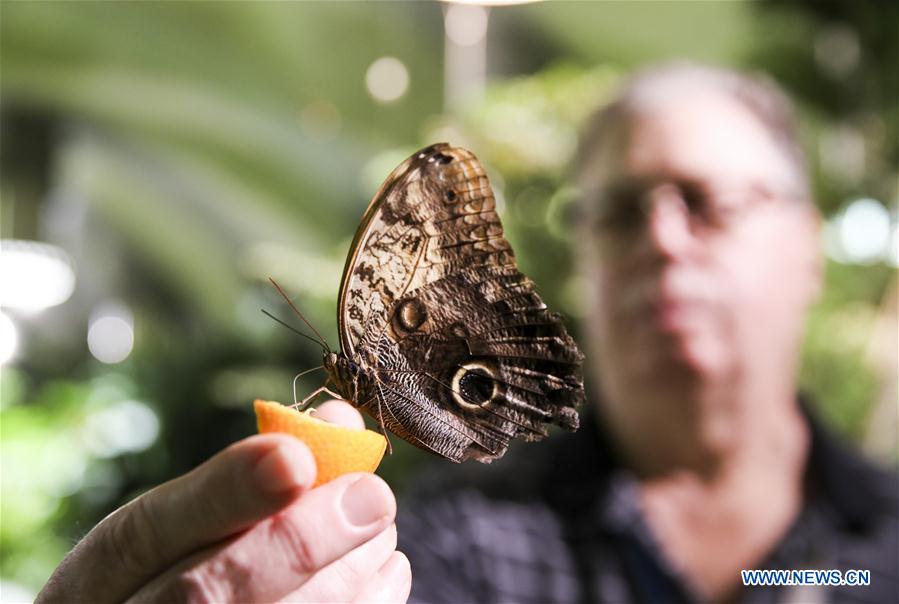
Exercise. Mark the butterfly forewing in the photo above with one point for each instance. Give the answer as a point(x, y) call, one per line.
point(462, 352)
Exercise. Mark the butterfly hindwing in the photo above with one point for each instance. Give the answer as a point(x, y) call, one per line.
point(504, 371)
point(462, 352)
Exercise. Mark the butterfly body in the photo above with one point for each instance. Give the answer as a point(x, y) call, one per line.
point(444, 341)
point(352, 382)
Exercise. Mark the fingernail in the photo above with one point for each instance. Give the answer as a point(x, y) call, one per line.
point(277, 472)
point(367, 501)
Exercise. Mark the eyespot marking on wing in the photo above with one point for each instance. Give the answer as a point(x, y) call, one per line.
point(474, 385)
point(410, 315)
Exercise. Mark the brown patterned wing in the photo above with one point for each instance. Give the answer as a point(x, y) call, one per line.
point(462, 353)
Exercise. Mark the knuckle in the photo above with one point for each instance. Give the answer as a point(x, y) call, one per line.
point(195, 586)
point(208, 504)
point(295, 544)
point(348, 573)
point(225, 578)
point(134, 539)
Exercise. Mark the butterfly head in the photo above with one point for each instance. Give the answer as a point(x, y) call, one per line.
point(335, 365)
point(345, 373)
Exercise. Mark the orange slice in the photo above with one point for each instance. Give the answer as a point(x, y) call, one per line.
point(337, 450)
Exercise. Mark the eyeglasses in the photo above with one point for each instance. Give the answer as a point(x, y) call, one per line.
point(621, 211)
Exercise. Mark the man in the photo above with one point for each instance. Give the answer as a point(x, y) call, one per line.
point(701, 248)
point(696, 462)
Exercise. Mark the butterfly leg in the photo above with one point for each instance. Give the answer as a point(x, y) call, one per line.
point(381, 427)
point(305, 402)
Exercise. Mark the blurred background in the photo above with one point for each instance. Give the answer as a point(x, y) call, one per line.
point(161, 160)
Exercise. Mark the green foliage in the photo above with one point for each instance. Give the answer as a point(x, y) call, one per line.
point(838, 372)
point(58, 465)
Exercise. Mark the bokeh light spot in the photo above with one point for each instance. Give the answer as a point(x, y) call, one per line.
point(864, 231)
point(110, 336)
point(466, 24)
point(387, 79)
point(9, 339)
point(837, 51)
point(893, 252)
point(35, 275)
point(125, 427)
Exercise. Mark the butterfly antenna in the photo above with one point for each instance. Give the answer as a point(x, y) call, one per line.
point(292, 328)
point(299, 314)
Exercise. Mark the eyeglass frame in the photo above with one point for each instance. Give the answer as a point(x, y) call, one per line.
point(688, 193)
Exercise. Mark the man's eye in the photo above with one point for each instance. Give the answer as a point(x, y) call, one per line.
point(696, 199)
point(702, 206)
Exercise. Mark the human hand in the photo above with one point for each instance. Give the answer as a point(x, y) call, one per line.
point(245, 527)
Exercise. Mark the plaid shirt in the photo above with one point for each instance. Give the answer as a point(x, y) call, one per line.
point(560, 522)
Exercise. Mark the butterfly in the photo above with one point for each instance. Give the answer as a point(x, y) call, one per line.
point(444, 341)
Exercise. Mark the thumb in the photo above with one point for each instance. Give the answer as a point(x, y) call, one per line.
point(247, 482)
point(341, 413)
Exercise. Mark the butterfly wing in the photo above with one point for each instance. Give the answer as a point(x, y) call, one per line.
point(464, 354)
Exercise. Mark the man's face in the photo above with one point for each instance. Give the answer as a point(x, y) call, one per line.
point(701, 260)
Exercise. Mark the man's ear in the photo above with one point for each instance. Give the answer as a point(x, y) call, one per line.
point(817, 263)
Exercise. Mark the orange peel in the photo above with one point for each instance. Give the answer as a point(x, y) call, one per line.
point(337, 450)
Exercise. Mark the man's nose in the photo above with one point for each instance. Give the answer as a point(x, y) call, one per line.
point(667, 221)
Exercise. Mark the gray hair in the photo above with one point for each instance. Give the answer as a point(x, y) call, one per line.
point(757, 93)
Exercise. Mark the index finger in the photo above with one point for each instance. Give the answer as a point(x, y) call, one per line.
point(247, 482)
